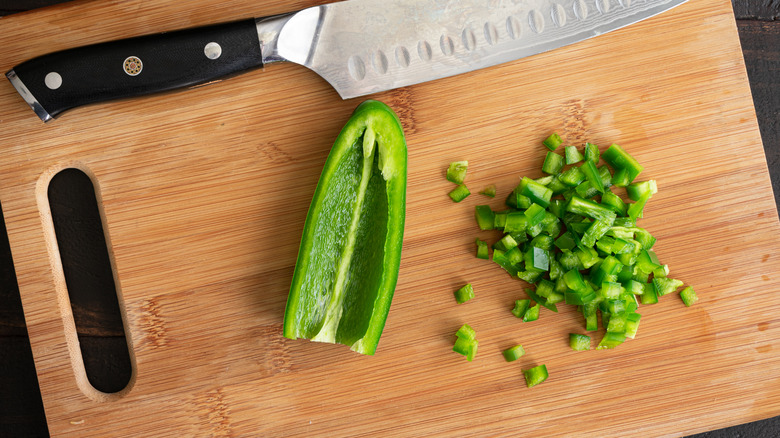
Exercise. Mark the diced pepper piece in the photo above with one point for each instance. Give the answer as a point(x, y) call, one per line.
point(537, 193)
point(661, 272)
point(579, 342)
point(553, 141)
point(466, 332)
point(645, 239)
point(635, 209)
point(590, 312)
point(485, 217)
point(514, 255)
point(591, 153)
point(534, 214)
point(650, 296)
point(611, 340)
point(521, 306)
point(565, 241)
point(532, 314)
point(557, 186)
point(617, 322)
point(579, 298)
point(544, 301)
point(588, 256)
point(506, 243)
point(499, 219)
point(516, 221)
point(572, 177)
point(514, 353)
point(588, 208)
point(688, 296)
point(597, 230)
point(489, 191)
point(574, 281)
point(592, 175)
point(459, 193)
point(482, 250)
point(535, 375)
point(632, 325)
point(456, 172)
point(665, 286)
point(614, 203)
point(606, 176)
point(350, 249)
point(618, 158)
point(573, 155)
point(464, 294)
point(466, 347)
point(537, 259)
point(553, 163)
point(620, 178)
point(638, 189)
point(530, 276)
point(586, 190)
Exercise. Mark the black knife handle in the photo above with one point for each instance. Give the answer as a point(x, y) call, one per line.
point(137, 66)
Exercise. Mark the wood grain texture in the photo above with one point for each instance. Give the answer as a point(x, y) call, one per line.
point(204, 203)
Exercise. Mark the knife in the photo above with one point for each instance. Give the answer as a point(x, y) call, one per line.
point(359, 46)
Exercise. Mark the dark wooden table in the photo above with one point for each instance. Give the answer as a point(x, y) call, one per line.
point(101, 336)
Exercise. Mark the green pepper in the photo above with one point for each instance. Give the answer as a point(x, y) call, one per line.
point(350, 251)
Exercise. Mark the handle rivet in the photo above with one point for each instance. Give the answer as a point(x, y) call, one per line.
point(53, 80)
point(133, 65)
point(212, 50)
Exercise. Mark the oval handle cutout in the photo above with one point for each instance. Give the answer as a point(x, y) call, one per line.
point(89, 276)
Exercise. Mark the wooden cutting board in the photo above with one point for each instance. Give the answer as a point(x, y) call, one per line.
point(204, 194)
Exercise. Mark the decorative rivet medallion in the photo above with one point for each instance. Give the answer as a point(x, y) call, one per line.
point(53, 80)
point(212, 50)
point(133, 65)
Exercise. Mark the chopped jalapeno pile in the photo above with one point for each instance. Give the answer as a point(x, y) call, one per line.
point(575, 239)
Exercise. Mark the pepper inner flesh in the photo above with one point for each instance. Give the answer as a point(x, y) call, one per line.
point(348, 288)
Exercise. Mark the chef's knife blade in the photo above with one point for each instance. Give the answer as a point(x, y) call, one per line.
point(359, 46)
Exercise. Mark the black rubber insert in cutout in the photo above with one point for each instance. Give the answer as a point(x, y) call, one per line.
point(90, 280)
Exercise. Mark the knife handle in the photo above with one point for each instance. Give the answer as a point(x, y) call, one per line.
point(137, 66)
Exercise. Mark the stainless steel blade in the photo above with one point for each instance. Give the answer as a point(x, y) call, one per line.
point(366, 46)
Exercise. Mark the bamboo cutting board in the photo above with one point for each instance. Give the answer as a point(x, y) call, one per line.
point(204, 194)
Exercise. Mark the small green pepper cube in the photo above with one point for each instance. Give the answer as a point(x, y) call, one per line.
point(586, 190)
point(618, 158)
point(553, 163)
point(532, 314)
point(579, 342)
point(638, 189)
point(489, 191)
point(521, 306)
point(614, 203)
point(456, 172)
point(482, 250)
point(591, 153)
point(572, 177)
point(553, 141)
point(535, 375)
point(650, 296)
point(466, 332)
point(514, 353)
point(516, 221)
point(534, 214)
point(620, 178)
point(466, 347)
point(592, 175)
point(617, 322)
point(611, 340)
point(499, 219)
point(573, 155)
point(632, 324)
point(537, 259)
point(485, 217)
point(459, 193)
point(688, 296)
point(537, 193)
point(464, 294)
point(590, 312)
point(506, 243)
point(665, 286)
